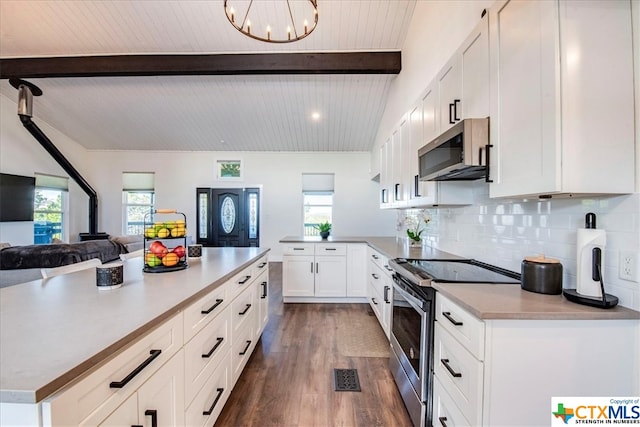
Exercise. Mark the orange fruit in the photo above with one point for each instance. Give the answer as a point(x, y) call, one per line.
point(170, 259)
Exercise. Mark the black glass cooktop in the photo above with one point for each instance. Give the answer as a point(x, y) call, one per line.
point(454, 271)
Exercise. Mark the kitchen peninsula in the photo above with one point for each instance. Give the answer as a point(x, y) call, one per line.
point(65, 343)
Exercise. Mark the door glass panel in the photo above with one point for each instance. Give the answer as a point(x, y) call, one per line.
point(253, 216)
point(228, 214)
point(203, 204)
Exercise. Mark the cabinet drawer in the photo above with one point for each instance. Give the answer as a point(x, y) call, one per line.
point(210, 399)
point(466, 328)
point(380, 260)
point(331, 249)
point(105, 389)
point(204, 353)
point(242, 310)
point(299, 249)
point(200, 313)
point(239, 282)
point(243, 345)
point(460, 373)
point(260, 266)
point(445, 411)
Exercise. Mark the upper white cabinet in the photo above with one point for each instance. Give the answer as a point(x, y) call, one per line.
point(561, 98)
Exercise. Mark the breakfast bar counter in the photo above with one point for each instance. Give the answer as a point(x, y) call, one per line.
point(54, 330)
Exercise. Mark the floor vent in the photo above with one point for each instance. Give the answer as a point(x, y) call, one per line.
point(346, 380)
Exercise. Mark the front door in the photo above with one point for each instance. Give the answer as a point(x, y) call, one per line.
point(228, 216)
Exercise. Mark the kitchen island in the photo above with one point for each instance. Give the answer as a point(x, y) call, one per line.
point(58, 331)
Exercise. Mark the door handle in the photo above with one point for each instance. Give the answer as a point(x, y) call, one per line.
point(243, 352)
point(215, 401)
point(154, 416)
point(453, 373)
point(455, 110)
point(136, 371)
point(210, 309)
point(447, 314)
point(386, 294)
point(243, 312)
point(214, 348)
point(264, 290)
point(451, 122)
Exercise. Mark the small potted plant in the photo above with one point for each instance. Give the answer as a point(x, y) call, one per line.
point(324, 228)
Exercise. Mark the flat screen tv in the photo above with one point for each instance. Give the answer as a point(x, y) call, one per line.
point(16, 197)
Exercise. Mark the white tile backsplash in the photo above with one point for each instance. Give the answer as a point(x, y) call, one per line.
point(504, 231)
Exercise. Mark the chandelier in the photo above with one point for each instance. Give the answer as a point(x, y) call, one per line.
point(304, 12)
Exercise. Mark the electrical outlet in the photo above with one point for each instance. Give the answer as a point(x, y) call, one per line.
point(628, 266)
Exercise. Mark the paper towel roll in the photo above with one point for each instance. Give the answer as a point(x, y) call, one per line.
point(587, 240)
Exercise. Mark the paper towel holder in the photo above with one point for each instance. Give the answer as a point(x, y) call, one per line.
point(607, 300)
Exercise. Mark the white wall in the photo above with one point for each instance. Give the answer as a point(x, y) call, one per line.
point(278, 174)
point(500, 231)
point(21, 154)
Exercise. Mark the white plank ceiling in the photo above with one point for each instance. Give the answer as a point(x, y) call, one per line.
point(200, 113)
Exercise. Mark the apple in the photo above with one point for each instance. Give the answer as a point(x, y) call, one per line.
point(158, 249)
point(151, 260)
point(180, 251)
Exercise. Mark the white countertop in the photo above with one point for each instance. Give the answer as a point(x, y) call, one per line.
point(53, 330)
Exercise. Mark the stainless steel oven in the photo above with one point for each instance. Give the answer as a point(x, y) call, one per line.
point(411, 360)
point(412, 321)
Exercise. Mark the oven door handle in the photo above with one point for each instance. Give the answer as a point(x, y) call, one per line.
point(413, 301)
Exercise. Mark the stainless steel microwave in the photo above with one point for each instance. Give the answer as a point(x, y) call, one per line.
point(459, 154)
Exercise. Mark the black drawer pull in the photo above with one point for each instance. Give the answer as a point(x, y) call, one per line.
point(455, 374)
point(245, 280)
point(388, 268)
point(215, 347)
point(386, 294)
point(373, 300)
point(243, 352)
point(330, 249)
point(213, 307)
point(298, 249)
point(243, 312)
point(447, 314)
point(264, 290)
point(215, 401)
point(120, 384)
point(154, 416)
point(262, 265)
point(375, 276)
point(442, 421)
point(375, 257)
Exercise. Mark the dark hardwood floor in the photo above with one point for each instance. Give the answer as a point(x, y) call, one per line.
point(289, 379)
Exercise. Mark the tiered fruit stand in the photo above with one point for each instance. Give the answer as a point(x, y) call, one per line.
point(165, 242)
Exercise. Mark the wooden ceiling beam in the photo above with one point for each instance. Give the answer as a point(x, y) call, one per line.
point(186, 65)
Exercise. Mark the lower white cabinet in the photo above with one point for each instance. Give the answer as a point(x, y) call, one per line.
point(357, 270)
point(490, 372)
point(380, 288)
point(181, 373)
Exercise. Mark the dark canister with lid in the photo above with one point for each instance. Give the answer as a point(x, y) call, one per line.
point(542, 275)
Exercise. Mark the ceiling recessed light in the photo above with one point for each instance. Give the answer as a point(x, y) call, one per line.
point(315, 116)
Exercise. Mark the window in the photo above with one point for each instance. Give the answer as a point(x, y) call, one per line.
point(318, 208)
point(138, 200)
point(50, 209)
point(317, 201)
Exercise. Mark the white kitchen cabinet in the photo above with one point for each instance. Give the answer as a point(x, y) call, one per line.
point(380, 288)
point(318, 274)
point(385, 174)
point(356, 270)
point(561, 98)
point(261, 300)
point(158, 402)
point(480, 364)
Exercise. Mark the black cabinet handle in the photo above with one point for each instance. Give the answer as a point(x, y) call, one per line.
point(374, 256)
point(245, 280)
point(154, 416)
point(455, 110)
point(373, 300)
point(215, 401)
point(243, 352)
point(375, 276)
point(262, 265)
point(330, 249)
point(416, 186)
point(213, 307)
point(132, 374)
point(442, 421)
point(396, 192)
point(317, 268)
point(388, 268)
point(298, 249)
point(386, 294)
point(451, 122)
point(243, 312)
point(488, 148)
point(383, 195)
point(214, 348)
point(264, 290)
point(311, 268)
point(453, 373)
point(447, 314)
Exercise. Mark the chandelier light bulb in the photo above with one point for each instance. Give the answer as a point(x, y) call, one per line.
point(288, 32)
point(233, 15)
point(306, 23)
point(248, 26)
point(268, 32)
